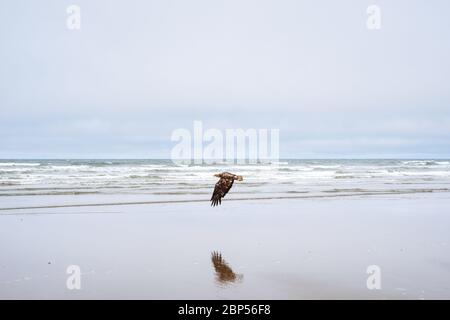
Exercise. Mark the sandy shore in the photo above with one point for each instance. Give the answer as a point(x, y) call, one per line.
point(271, 249)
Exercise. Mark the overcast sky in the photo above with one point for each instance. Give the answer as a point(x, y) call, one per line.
point(137, 70)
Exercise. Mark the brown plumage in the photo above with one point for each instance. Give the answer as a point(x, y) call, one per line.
point(223, 186)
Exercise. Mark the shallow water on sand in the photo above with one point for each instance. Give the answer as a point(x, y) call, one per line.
point(273, 249)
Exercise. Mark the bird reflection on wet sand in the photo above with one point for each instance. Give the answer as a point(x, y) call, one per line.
point(224, 273)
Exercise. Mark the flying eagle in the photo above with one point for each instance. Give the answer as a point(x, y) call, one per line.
point(223, 186)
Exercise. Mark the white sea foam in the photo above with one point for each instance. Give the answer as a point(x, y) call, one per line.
point(159, 176)
point(18, 164)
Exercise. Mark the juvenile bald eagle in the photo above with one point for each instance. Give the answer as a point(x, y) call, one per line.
point(223, 186)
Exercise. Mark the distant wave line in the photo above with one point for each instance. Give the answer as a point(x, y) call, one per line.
point(230, 199)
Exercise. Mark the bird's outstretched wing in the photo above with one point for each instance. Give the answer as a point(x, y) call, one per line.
point(220, 190)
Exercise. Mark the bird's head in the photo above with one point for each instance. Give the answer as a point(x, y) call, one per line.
point(218, 175)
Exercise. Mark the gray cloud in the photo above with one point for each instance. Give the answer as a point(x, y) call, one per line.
point(140, 69)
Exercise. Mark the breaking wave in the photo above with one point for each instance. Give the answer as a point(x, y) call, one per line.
point(162, 177)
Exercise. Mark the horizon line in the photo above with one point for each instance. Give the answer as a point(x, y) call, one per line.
point(269, 160)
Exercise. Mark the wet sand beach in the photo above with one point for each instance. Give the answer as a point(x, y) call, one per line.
point(255, 249)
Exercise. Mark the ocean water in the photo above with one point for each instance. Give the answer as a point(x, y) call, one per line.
point(164, 180)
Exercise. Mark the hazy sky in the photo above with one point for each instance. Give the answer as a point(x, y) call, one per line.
point(137, 70)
